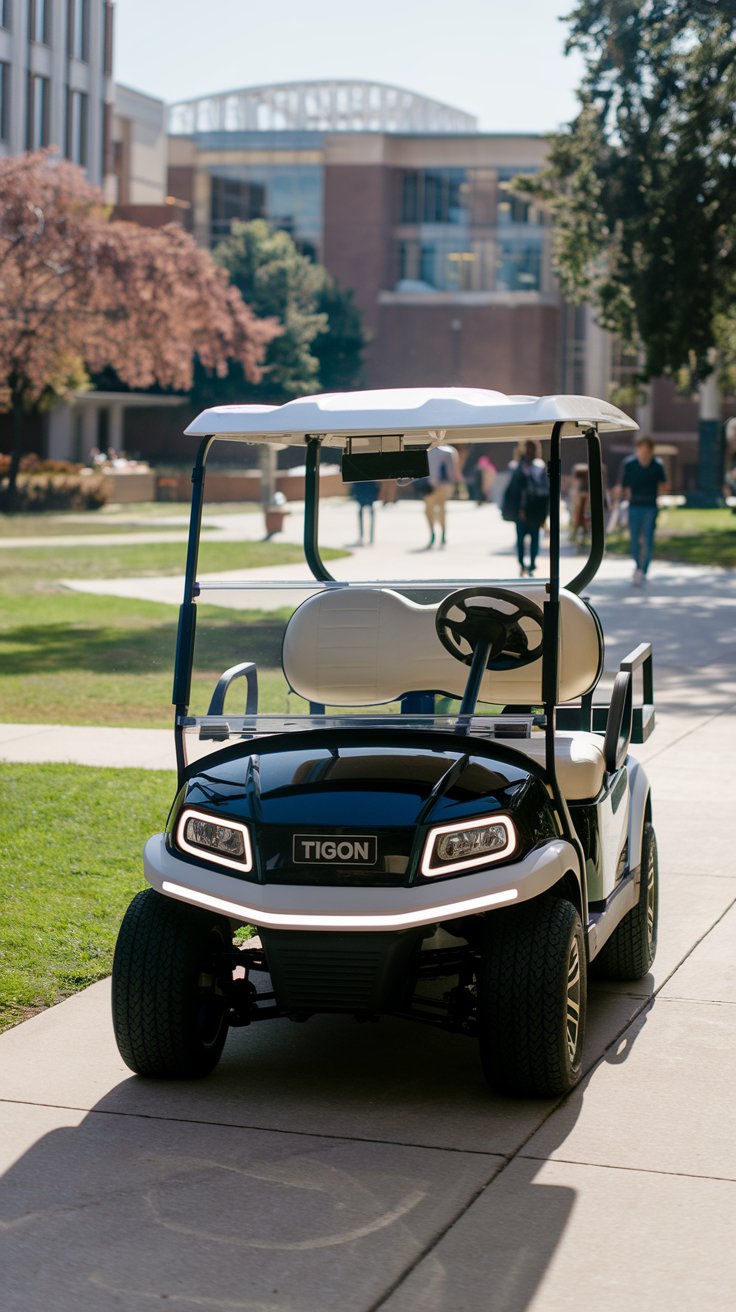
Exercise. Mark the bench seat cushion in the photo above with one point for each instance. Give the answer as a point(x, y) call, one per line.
point(357, 646)
point(579, 761)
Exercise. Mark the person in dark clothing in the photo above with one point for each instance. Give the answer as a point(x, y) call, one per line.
point(366, 495)
point(526, 503)
point(641, 478)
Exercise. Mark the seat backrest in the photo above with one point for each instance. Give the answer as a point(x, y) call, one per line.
point(357, 646)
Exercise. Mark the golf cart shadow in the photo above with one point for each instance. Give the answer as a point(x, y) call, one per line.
point(326, 1155)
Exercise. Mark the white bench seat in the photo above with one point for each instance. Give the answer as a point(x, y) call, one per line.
point(579, 761)
point(369, 646)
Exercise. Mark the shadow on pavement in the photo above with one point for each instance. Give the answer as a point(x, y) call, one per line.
point(317, 1168)
point(688, 617)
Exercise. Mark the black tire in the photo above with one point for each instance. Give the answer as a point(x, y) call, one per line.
point(532, 998)
point(630, 951)
point(169, 988)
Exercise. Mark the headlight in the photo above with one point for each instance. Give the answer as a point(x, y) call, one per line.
point(202, 835)
point(461, 847)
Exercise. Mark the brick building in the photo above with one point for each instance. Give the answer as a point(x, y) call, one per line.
point(407, 203)
point(404, 202)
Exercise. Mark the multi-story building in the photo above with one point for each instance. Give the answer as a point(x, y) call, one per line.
point(404, 202)
point(56, 79)
point(407, 203)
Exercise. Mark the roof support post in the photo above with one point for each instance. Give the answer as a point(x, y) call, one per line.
point(188, 610)
point(551, 658)
point(597, 514)
point(311, 512)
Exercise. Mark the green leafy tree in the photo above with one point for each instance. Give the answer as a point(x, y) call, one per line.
point(322, 339)
point(269, 271)
point(642, 185)
point(339, 349)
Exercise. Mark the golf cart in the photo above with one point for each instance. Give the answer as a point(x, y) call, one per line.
point(431, 819)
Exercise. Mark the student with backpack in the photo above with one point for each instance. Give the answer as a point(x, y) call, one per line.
point(526, 503)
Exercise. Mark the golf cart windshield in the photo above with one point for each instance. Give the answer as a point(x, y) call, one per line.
point(322, 642)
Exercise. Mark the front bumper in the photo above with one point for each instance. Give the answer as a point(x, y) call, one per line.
point(291, 906)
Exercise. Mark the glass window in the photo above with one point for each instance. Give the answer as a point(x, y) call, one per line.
point(511, 207)
point(519, 267)
point(435, 196)
point(442, 265)
point(6, 13)
point(410, 198)
point(461, 273)
point(433, 208)
point(4, 101)
point(468, 232)
point(76, 127)
point(234, 199)
point(289, 196)
point(37, 110)
point(39, 21)
point(458, 192)
point(428, 263)
point(107, 39)
point(78, 28)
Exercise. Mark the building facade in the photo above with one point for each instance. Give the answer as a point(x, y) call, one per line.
point(56, 80)
point(405, 203)
point(138, 148)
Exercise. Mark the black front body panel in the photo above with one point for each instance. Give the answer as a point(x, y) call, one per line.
point(313, 798)
point(327, 807)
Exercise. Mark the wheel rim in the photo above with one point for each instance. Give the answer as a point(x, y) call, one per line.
point(574, 996)
point(651, 898)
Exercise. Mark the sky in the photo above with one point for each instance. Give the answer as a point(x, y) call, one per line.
point(501, 60)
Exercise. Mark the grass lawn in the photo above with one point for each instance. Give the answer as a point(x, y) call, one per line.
point(70, 658)
point(74, 658)
point(141, 516)
point(37, 566)
point(695, 537)
point(71, 839)
point(52, 526)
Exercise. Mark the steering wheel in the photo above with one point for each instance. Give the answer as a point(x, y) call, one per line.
point(476, 622)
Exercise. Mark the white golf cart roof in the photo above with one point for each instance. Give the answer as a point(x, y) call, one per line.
point(411, 416)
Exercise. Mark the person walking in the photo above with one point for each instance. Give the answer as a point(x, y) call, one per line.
point(366, 495)
point(641, 477)
point(444, 475)
point(526, 503)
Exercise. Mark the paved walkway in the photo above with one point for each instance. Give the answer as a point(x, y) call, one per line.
point(346, 1167)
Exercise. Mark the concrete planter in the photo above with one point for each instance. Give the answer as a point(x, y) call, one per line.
point(274, 517)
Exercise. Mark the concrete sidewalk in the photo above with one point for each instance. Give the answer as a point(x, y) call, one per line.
point(337, 1166)
point(357, 1168)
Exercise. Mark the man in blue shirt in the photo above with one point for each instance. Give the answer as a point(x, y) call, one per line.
point(641, 477)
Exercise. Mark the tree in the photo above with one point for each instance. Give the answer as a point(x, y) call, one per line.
point(81, 293)
point(322, 339)
point(642, 186)
point(339, 349)
point(277, 281)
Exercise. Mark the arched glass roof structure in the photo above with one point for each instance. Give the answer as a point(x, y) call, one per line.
point(333, 106)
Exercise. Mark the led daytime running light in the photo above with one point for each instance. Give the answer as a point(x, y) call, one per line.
point(363, 920)
point(212, 853)
point(435, 836)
